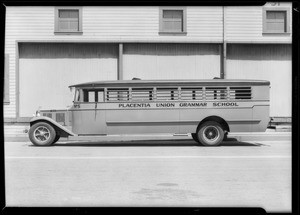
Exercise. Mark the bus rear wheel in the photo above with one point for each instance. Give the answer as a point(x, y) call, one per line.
point(210, 133)
point(42, 134)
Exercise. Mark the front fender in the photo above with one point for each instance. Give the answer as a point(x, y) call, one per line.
point(51, 121)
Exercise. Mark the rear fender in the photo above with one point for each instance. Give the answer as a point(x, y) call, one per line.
point(64, 132)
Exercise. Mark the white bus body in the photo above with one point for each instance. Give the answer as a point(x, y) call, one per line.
point(207, 109)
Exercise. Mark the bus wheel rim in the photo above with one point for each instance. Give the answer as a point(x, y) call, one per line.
point(41, 134)
point(211, 134)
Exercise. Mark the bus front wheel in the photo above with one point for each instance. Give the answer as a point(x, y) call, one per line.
point(42, 134)
point(210, 133)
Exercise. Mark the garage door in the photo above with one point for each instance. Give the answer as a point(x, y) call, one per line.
point(171, 61)
point(46, 71)
point(267, 62)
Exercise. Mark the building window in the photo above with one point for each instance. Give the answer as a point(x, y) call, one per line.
point(276, 20)
point(68, 20)
point(172, 20)
point(6, 80)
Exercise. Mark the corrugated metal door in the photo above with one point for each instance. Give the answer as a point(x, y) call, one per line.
point(46, 71)
point(171, 61)
point(267, 62)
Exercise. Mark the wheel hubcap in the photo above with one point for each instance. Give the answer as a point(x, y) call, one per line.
point(211, 133)
point(41, 134)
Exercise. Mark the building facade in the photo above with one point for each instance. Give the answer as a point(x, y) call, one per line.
point(49, 48)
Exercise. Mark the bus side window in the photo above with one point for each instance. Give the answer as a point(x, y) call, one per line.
point(77, 95)
point(172, 94)
point(240, 92)
point(100, 96)
point(91, 96)
point(117, 94)
point(215, 93)
point(151, 94)
point(191, 93)
point(123, 95)
point(141, 94)
point(167, 93)
point(223, 94)
point(85, 96)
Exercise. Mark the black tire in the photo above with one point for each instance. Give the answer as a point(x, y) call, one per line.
point(194, 136)
point(210, 133)
point(56, 139)
point(42, 134)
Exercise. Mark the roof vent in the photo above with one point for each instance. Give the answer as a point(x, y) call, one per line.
point(136, 79)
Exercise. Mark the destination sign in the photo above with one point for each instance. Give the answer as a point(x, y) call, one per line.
point(178, 105)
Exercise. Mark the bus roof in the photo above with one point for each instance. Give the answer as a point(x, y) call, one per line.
point(179, 82)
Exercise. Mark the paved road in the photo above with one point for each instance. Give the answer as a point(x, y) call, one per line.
point(150, 173)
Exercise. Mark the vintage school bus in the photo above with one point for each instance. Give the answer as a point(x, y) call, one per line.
point(208, 109)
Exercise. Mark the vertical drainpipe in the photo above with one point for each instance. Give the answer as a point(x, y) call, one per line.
point(224, 54)
point(120, 62)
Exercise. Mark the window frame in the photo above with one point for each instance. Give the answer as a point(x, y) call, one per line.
point(89, 95)
point(117, 94)
point(56, 20)
point(142, 94)
point(167, 93)
point(184, 21)
point(288, 17)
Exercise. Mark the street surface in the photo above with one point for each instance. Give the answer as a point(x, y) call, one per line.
point(150, 173)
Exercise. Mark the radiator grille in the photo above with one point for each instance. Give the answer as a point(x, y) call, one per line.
point(60, 117)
